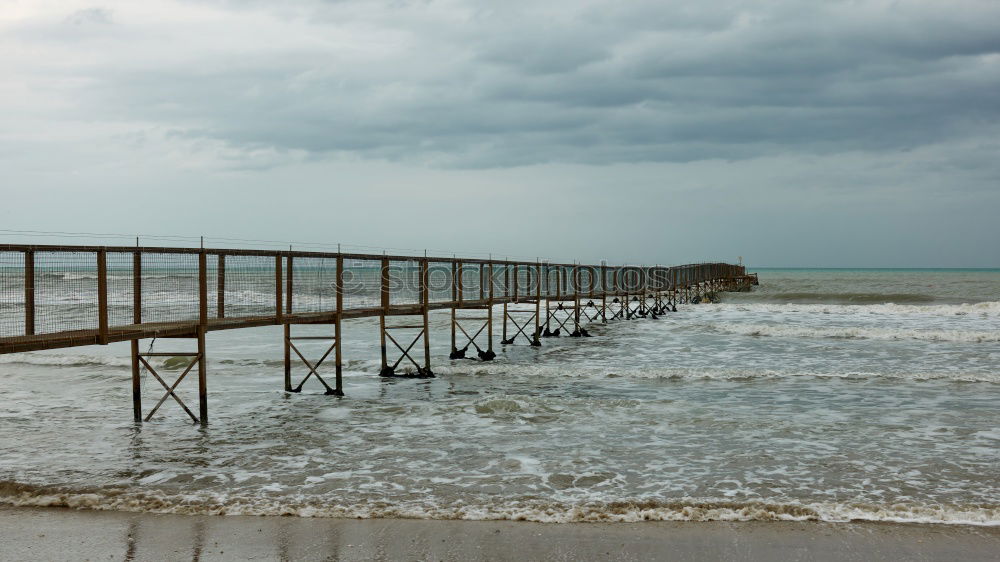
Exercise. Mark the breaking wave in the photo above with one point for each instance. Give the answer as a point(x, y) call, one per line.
point(65, 360)
point(845, 298)
point(25, 495)
point(982, 309)
point(861, 332)
point(370, 367)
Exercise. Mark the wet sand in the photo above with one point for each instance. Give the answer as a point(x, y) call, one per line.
point(63, 534)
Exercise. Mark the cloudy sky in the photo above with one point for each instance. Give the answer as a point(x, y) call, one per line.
point(835, 133)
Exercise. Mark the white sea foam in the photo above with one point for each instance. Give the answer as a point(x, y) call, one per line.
point(365, 368)
point(984, 309)
point(621, 427)
point(859, 332)
point(687, 509)
point(67, 360)
point(547, 372)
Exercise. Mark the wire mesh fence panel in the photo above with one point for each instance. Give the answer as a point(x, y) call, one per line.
point(250, 286)
point(597, 281)
point(212, 286)
point(472, 278)
point(65, 291)
point(568, 281)
point(609, 280)
point(404, 282)
point(542, 273)
point(501, 281)
point(11, 294)
point(653, 279)
point(584, 280)
point(314, 285)
point(170, 287)
point(121, 288)
point(441, 281)
point(634, 279)
point(65, 281)
point(621, 278)
point(659, 279)
point(362, 284)
point(523, 277)
point(553, 287)
point(535, 278)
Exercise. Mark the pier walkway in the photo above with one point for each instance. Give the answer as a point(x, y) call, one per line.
point(67, 296)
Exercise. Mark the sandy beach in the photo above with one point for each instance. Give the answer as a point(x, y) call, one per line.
point(62, 534)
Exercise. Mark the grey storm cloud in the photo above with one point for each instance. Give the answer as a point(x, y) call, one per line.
point(853, 132)
point(471, 84)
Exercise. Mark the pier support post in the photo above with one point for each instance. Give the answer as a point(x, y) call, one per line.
point(136, 383)
point(425, 300)
point(288, 357)
point(506, 315)
point(338, 356)
point(202, 377)
point(578, 330)
point(489, 331)
point(454, 335)
point(535, 341)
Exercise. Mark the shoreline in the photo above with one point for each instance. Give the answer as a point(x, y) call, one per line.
point(38, 533)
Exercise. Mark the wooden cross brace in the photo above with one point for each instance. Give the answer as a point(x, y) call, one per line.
point(390, 370)
point(532, 340)
point(598, 312)
point(616, 308)
point(638, 310)
point(314, 369)
point(486, 355)
point(195, 357)
point(561, 324)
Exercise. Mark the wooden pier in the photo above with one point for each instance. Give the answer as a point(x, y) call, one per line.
point(67, 296)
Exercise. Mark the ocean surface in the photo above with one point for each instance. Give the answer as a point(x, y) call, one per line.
point(829, 395)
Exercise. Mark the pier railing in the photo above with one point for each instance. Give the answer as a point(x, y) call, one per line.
point(62, 296)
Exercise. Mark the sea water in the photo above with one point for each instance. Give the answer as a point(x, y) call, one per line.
point(828, 395)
